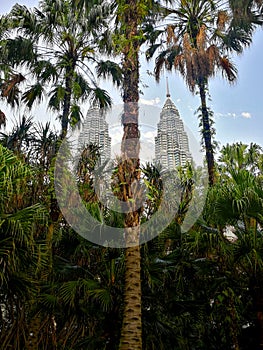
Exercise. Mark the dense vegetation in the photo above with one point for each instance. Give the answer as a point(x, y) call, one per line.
point(200, 289)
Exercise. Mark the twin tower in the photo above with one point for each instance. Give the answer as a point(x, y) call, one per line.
point(171, 142)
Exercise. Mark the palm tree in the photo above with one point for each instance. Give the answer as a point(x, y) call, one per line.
point(132, 16)
point(23, 257)
point(198, 40)
point(66, 45)
point(238, 203)
point(20, 137)
point(128, 39)
point(131, 332)
point(240, 156)
point(44, 143)
point(12, 53)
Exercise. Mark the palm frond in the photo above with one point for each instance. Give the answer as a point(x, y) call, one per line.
point(111, 69)
point(34, 94)
point(101, 97)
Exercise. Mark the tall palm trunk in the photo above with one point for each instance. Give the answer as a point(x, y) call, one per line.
point(206, 131)
point(131, 333)
point(66, 104)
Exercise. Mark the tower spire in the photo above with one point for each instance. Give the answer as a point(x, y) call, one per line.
point(167, 88)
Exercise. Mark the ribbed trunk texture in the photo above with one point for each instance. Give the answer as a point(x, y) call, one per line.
point(131, 333)
point(207, 136)
point(66, 104)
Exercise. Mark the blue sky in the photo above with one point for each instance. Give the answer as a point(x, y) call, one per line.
point(238, 108)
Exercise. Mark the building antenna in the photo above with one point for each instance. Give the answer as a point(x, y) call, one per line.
point(167, 88)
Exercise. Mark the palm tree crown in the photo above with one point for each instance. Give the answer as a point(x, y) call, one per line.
point(66, 44)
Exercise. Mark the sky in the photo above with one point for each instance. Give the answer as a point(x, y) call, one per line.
point(238, 109)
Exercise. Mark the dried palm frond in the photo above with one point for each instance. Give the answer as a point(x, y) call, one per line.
point(2, 119)
point(228, 68)
point(159, 64)
point(191, 74)
point(212, 54)
point(201, 38)
point(187, 47)
point(222, 18)
point(198, 62)
point(259, 3)
point(171, 37)
point(9, 84)
point(179, 62)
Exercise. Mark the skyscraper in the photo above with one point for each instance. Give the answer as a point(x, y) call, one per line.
point(95, 130)
point(171, 142)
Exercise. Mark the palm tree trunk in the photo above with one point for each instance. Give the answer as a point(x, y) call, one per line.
point(131, 333)
point(66, 105)
point(206, 131)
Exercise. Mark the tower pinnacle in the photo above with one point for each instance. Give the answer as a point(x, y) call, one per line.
point(167, 88)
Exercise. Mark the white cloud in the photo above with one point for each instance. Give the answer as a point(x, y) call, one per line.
point(246, 115)
point(232, 115)
point(152, 102)
point(223, 115)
